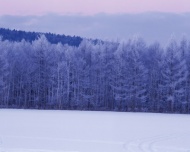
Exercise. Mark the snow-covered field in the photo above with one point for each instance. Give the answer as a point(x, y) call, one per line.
point(75, 131)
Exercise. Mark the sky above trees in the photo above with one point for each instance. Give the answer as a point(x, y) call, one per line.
point(154, 20)
point(90, 7)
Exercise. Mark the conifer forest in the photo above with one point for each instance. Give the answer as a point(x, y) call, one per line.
point(95, 75)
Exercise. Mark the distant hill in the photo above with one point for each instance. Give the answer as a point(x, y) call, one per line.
point(17, 35)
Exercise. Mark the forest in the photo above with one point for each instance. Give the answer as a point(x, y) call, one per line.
point(18, 35)
point(107, 76)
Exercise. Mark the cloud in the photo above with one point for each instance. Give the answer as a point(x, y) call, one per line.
point(31, 7)
point(151, 26)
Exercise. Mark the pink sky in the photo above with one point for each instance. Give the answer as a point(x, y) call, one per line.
point(89, 7)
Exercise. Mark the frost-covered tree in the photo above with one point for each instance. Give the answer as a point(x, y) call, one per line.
point(174, 74)
point(41, 61)
point(85, 74)
point(185, 64)
point(138, 75)
point(4, 75)
point(58, 77)
point(153, 58)
point(121, 78)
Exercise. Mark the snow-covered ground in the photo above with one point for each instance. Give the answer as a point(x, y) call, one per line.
point(76, 131)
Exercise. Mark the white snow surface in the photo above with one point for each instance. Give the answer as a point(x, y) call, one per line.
point(79, 131)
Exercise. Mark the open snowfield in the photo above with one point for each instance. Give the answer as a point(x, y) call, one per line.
point(75, 131)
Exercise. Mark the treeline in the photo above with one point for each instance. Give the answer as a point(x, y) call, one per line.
point(126, 76)
point(18, 36)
